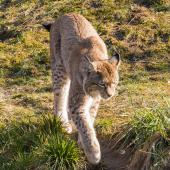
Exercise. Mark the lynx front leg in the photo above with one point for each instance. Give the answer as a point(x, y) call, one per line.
point(94, 108)
point(78, 104)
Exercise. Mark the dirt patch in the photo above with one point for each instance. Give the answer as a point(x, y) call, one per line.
point(112, 159)
point(129, 159)
point(115, 160)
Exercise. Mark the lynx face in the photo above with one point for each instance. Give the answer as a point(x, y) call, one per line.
point(102, 79)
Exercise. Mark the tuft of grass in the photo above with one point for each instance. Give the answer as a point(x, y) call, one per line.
point(144, 124)
point(147, 122)
point(149, 131)
point(28, 145)
point(59, 153)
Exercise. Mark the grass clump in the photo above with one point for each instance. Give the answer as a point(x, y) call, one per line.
point(148, 131)
point(28, 145)
point(59, 153)
point(146, 123)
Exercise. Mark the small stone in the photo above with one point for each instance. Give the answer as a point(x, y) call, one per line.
point(122, 151)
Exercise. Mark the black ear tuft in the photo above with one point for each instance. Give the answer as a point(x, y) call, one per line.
point(47, 26)
point(115, 59)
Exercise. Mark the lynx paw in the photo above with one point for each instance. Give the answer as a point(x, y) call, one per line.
point(68, 128)
point(92, 151)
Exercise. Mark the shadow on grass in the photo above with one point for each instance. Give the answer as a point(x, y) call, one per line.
point(6, 34)
point(8, 3)
point(158, 5)
point(40, 106)
point(159, 67)
point(44, 89)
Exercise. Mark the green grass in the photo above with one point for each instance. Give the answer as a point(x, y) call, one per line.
point(139, 30)
point(147, 125)
point(30, 144)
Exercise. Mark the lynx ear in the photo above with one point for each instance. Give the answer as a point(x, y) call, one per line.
point(91, 64)
point(47, 26)
point(115, 59)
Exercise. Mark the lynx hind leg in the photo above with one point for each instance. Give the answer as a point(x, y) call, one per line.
point(60, 79)
point(61, 85)
point(81, 118)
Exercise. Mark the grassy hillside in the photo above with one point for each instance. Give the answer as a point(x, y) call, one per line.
point(138, 29)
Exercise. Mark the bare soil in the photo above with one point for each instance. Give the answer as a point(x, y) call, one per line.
point(129, 159)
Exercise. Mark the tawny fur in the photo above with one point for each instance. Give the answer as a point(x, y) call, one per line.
point(82, 74)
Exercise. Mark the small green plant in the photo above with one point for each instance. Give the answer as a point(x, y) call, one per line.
point(104, 126)
point(60, 153)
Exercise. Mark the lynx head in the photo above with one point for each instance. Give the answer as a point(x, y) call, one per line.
point(101, 77)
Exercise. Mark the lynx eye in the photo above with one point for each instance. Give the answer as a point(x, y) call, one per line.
point(101, 85)
point(98, 75)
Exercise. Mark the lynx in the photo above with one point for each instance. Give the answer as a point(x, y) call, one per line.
point(82, 74)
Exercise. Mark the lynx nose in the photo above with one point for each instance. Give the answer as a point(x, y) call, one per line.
point(110, 91)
